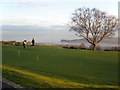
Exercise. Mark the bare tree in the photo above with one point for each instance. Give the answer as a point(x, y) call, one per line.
point(93, 25)
point(98, 47)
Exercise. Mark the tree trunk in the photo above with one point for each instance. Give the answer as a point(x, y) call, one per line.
point(94, 46)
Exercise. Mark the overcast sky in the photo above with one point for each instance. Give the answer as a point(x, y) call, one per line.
point(45, 20)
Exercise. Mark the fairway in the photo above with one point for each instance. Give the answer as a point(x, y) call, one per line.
point(49, 66)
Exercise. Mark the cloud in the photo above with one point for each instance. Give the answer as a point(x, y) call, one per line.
point(23, 4)
point(40, 33)
point(34, 28)
point(58, 0)
point(39, 21)
point(20, 28)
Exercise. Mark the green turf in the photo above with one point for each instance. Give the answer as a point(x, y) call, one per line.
point(81, 66)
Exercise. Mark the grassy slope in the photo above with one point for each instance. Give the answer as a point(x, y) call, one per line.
point(80, 66)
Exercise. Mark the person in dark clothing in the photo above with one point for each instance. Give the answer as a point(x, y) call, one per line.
point(24, 43)
point(33, 42)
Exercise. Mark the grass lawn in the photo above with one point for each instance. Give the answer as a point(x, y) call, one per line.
point(47, 66)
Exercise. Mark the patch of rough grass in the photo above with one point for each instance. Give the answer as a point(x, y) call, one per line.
point(53, 82)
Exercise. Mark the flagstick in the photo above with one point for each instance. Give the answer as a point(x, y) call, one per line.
point(18, 53)
point(37, 57)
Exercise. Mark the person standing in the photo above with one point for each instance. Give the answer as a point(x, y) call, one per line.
point(24, 43)
point(33, 42)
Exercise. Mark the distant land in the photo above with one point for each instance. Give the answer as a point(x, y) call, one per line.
point(107, 43)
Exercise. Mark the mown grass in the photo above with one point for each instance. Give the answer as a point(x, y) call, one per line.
point(76, 66)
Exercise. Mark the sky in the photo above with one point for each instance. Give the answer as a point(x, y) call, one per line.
point(45, 20)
